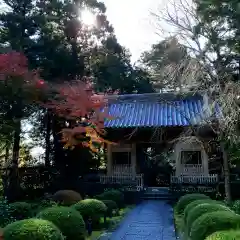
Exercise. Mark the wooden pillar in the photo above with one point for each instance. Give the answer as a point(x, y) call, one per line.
point(133, 159)
point(109, 159)
point(178, 164)
point(205, 162)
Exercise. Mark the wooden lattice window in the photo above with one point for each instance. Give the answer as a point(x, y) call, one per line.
point(191, 157)
point(121, 158)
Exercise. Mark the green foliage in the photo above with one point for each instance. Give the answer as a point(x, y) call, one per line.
point(201, 209)
point(236, 206)
point(67, 197)
point(114, 195)
point(39, 206)
point(91, 208)
point(212, 222)
point(224, 235)
point(193, 204)
point(168, 58)
point(112, 69)
point(20, 210)
point(6, 217)
point(186, 199)
point(111, 205)
point(67, 219)
point(32, 229)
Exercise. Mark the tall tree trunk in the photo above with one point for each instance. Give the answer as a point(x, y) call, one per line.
point(7, 154)
point(226, 171)
point(13, 191)
point(47, 139)
point(16, 143)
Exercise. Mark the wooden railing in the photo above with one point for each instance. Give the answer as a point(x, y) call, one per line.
point(210, 179)
point(136, 180)
point(124, 169)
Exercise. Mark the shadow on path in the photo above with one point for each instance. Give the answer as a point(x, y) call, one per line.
point(151, 220)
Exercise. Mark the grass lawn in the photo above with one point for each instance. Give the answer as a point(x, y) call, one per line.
point(112, 223)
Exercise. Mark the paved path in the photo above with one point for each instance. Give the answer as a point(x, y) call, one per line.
point(151, 220)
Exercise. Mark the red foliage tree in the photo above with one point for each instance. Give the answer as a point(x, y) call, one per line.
point(19, 90)
point(83, 109)
point(85, 113)
point(14, 73)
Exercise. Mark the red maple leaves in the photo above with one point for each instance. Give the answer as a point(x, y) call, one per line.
point(83, 109)
point(14, 66)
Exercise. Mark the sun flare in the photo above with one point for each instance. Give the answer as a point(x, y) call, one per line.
point(87, 17)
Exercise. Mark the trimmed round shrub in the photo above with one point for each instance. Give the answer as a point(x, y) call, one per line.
point(66, 197)
point(201, 209)
point(20, 210)
point(195, 203)
point(212, 222)
point(37, 207)
point(114, 195)
point(236, 206)
point(224, 235)
point(186, 199)
point(111, 206)
point(67, 219)
point(32, 229)
point(91, 208)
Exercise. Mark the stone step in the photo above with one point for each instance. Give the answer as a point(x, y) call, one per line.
point(164, 190)
point(157, 196)
point(156, 193)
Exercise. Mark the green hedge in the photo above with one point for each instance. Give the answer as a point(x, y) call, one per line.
point(67, 219)
point(195, 203)
point(114, 195)
point(236, 206)
point(212, 222)
point(20, 210)
point(39, 206)
point(91, 208)
point(186, 199)
point(5, 216)
point(32, 229)
point(201, 209)
point(225, 235)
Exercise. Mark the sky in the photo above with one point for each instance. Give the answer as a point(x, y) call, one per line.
point(132, 22)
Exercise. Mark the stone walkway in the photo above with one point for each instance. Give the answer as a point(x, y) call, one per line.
point(151, 220)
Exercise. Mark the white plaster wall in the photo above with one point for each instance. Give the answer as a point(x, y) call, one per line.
point(190, 146)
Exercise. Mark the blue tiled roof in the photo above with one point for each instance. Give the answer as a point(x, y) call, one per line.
point(139, 111)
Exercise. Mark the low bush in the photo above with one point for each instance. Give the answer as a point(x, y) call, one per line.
point(66, 197)
point(20, 210)
point(236, 206)
point(224, 235)
point(201, 209)
point(212, 222)
point(32, 229)
point(91, 208)
point(195, 203)
point(39, 206)
point(67, 219)
point(111, 206)
point(5, 218)
point(186, 199)
point(114, 195)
